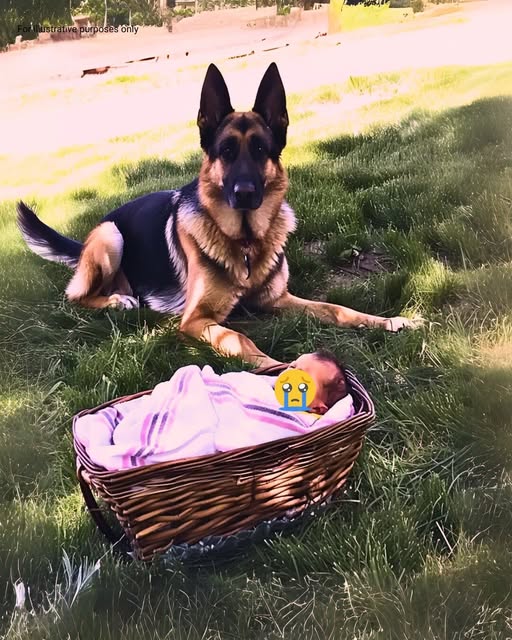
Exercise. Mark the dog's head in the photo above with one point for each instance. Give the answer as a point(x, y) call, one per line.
point(241, 165)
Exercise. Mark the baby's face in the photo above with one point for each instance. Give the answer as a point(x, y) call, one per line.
point(328, 380)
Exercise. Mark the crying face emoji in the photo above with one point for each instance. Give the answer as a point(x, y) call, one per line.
point(295, 390)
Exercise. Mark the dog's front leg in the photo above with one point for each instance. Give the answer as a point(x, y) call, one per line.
point(210, 299)
point(226, 341)
point(209, 304)
point(343, 316)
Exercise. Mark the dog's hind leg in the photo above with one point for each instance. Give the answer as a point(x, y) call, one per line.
point(98, 281)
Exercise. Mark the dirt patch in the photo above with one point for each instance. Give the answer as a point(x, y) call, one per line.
point(360, 266)
point(355, 266)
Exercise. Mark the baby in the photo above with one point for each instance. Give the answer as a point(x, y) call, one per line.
point(328, 375)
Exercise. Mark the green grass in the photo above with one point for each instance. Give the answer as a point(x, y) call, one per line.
point(343, 17)
point(419, 547)
point(128, 79)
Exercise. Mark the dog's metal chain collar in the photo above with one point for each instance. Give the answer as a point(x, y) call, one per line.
point(247, 260)
point(246, 228)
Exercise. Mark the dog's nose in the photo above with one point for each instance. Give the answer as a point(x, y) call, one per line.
point(244, 192)
point(244, 186)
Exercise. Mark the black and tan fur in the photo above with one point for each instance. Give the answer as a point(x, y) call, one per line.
point(200, 250)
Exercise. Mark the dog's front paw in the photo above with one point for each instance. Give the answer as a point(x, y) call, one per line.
point(120, 301)
point(398, 323)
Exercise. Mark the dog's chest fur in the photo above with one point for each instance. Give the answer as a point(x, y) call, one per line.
point(225, 257)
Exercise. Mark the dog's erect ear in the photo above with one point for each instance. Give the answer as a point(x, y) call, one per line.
point(271, 104)
point(215, 105)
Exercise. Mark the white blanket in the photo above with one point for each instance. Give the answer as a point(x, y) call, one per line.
point(196, 412)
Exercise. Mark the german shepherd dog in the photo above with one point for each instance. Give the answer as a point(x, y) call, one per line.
point(200, 250)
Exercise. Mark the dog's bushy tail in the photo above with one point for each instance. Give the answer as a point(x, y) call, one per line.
point(45, 241)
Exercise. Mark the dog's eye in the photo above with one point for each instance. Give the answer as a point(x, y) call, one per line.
point(227, 153)
point(258, 148)
point(228, 150)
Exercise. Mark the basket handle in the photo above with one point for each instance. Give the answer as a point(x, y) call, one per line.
point(96, 513)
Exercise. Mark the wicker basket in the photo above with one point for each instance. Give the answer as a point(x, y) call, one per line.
point(184, 501)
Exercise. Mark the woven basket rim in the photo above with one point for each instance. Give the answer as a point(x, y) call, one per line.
point(101, 473)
